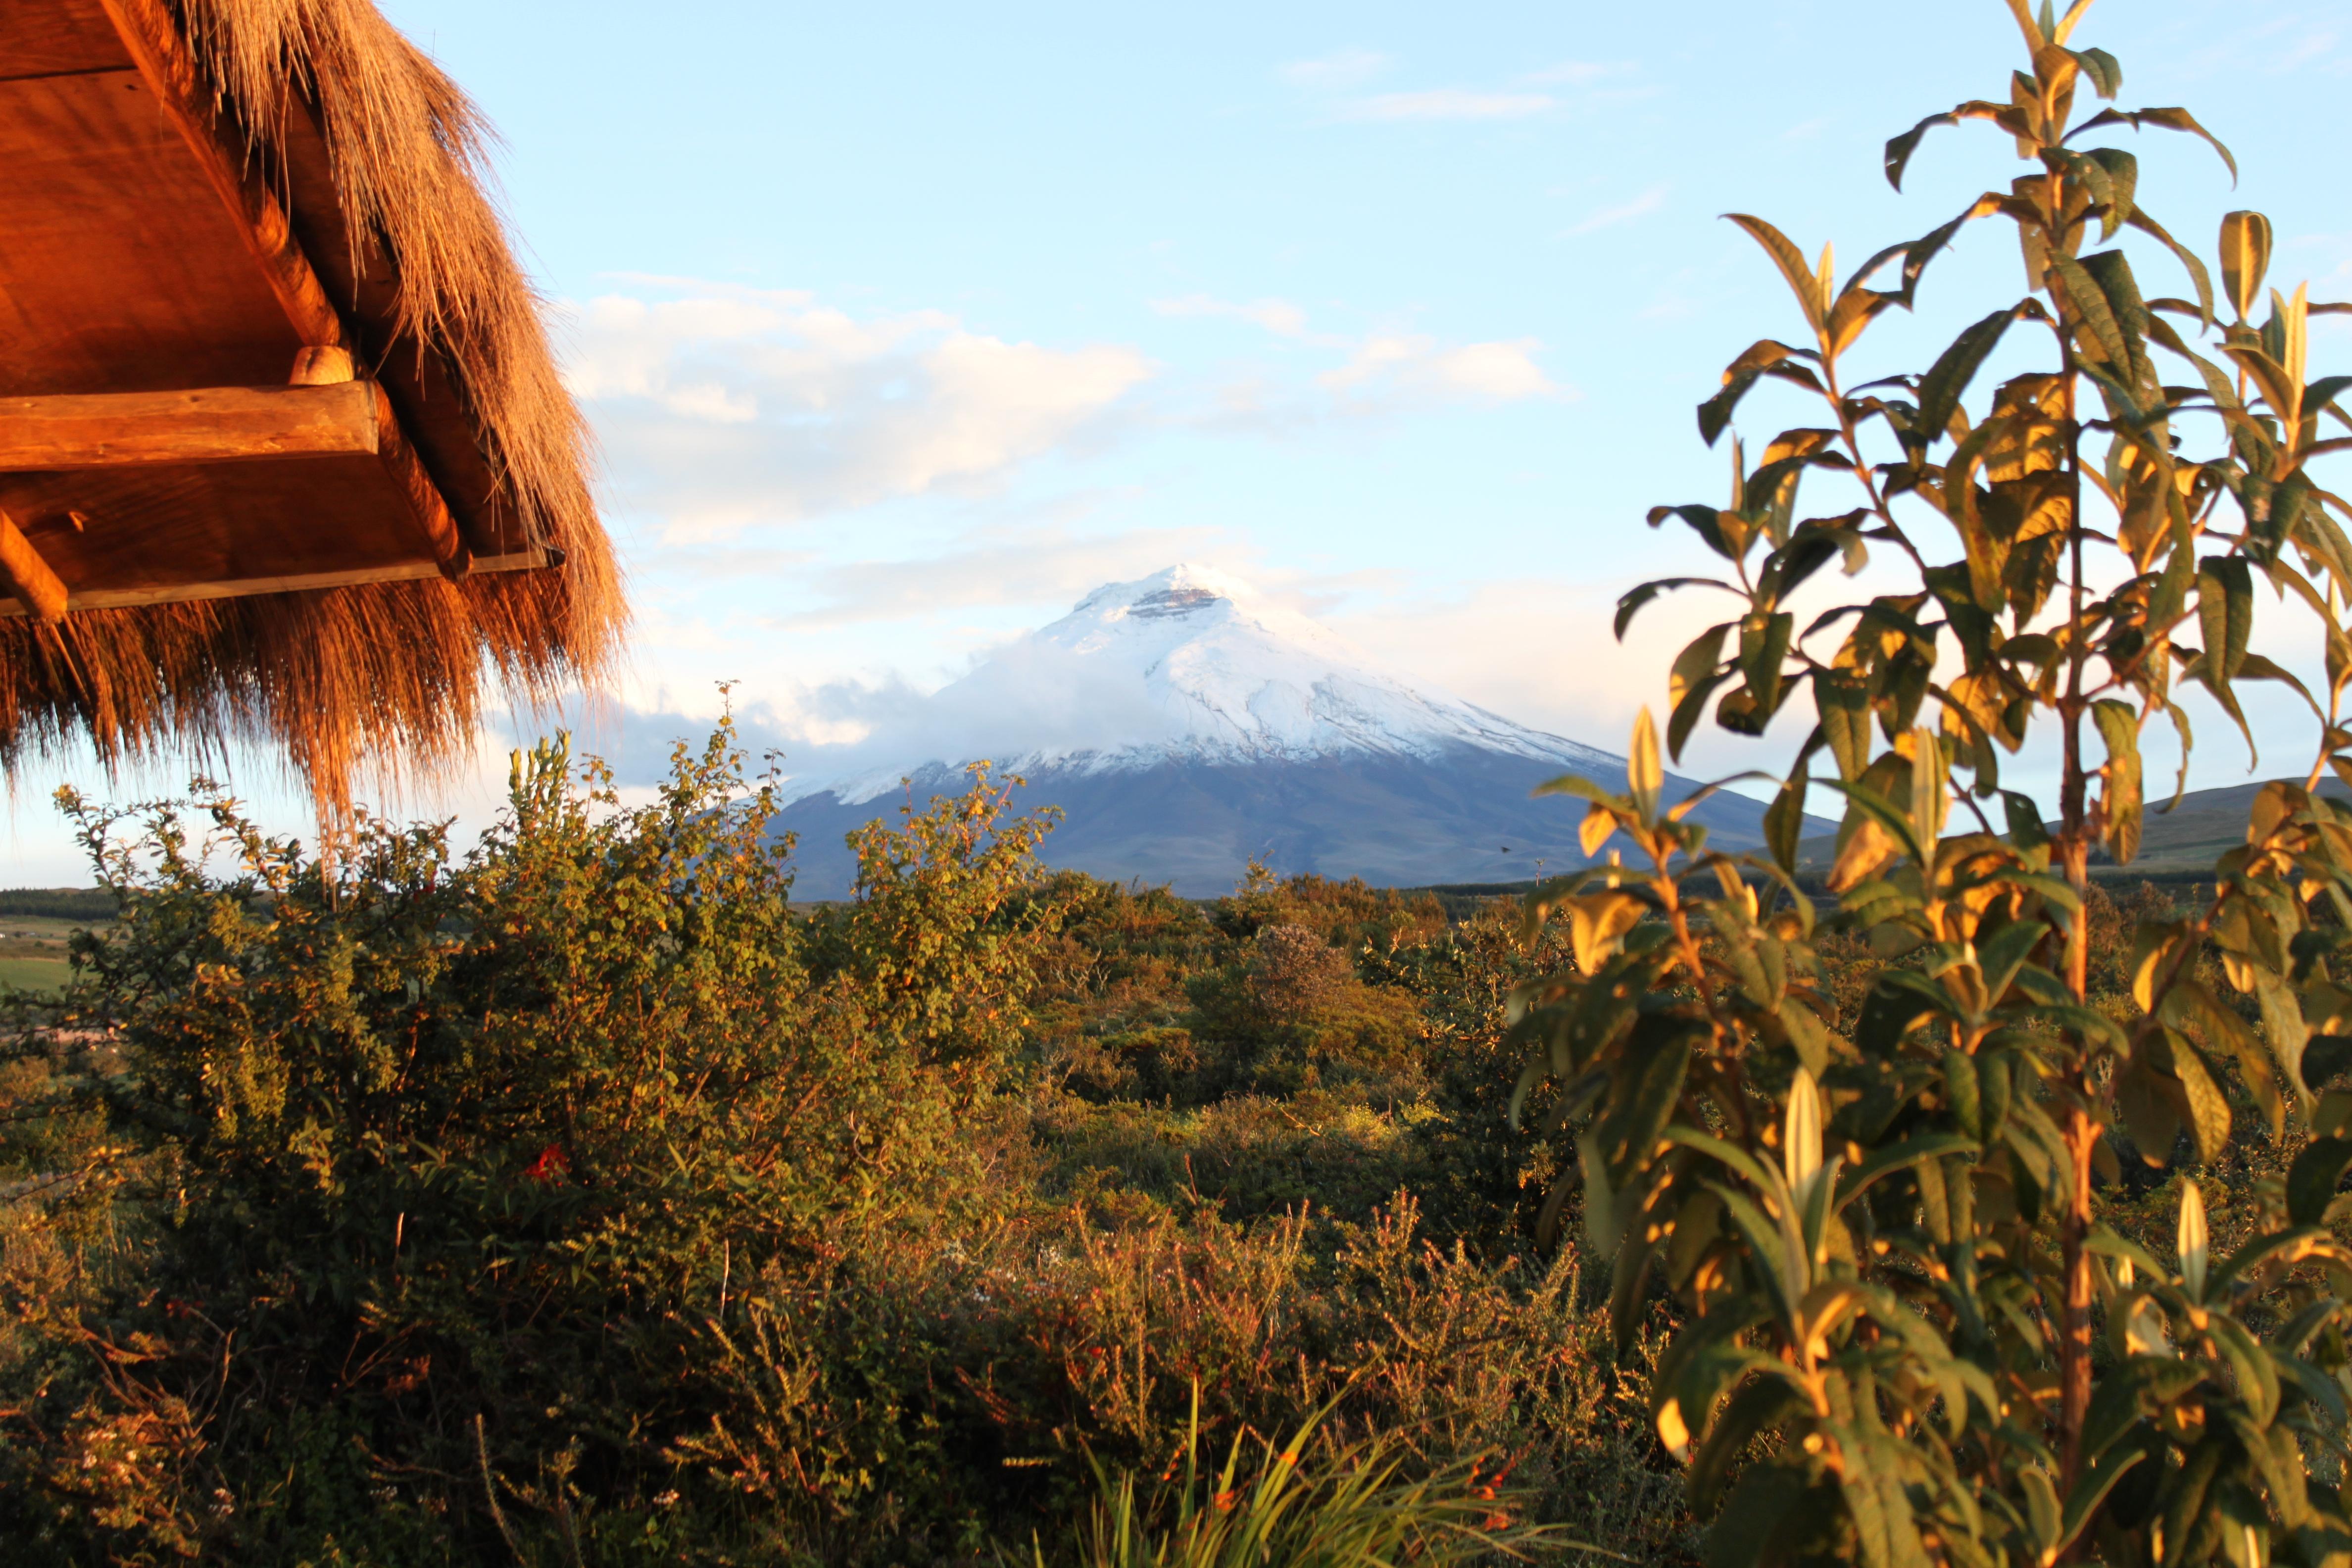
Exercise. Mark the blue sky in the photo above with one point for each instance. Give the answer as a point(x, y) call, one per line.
point(903, 327)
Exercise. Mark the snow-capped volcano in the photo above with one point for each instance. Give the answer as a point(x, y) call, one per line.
point(1186, 724)
point(1194, 664)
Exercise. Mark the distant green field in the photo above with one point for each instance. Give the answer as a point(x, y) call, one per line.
point(33, 973)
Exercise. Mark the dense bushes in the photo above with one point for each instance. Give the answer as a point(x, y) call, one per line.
point(580, 1200)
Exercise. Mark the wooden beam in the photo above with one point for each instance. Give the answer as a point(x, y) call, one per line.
point(212, 425)
point(322, 367)
point(407, 572)
point(38, 590)
point(430, 512)
point(162, 55)
point(170, 71)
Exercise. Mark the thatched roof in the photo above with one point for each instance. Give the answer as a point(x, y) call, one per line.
point(204, 197)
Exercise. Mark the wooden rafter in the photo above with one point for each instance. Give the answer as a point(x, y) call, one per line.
point(37, 590)
point(160, 55)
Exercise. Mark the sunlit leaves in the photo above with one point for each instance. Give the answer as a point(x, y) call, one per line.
point(1644, 778)
point(2120, 801)
point(1942, 388)
point(2192, 1244)
point(1809, 286)
point(2166, 119)
point(2245, 258)
point(2062, 547)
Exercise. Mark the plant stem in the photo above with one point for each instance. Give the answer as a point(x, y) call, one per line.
point(2074, 846)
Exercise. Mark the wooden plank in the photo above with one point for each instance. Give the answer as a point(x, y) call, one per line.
point(167, 525)
point(410, 571)
point(37, 589)
point(55, 37)
point(214, 424)
point(162, 57)
point(120, 268)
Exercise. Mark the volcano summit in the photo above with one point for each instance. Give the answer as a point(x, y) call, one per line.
point(1187, 725)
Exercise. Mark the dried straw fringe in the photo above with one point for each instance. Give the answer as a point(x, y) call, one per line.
point(386, 679)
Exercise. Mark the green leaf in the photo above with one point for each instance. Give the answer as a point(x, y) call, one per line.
point(1644, 777)
point(1759, 1405)
point(1731, 1156)
point(2245, 258)
point(1630, 604)
point(1641, 1103)
point(1876, 1503)
point(1763, 649)
point(1693, 665)
point(1948, 379)
point(2312, 1180)
point(2090, 305)
point(2000, 956)
point(1929, 788)
point(1843, 700)
point(1801, 278)
point(1772, 1496)
point(1704, 521)
point(2209, 1108)
point(2106, 72)
point(2199, 278)
point(2150, 1115)
point(2124, 1394)
point(2165, 119)
point(2122, 171)
point(2111, 270)
point(1766, 1252)
point(2283, 1021)
point(1784, 820)
point(1890, 1158)
point(1874, 805)
point(2257, 1379)
point(1899, 149)
point(2225, 614)
point(2121, 799)
point(2025, 828)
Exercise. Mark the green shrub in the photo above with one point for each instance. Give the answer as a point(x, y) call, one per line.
point(1908, 1331)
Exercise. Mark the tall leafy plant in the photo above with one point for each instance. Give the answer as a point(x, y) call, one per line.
point(1909, 1337)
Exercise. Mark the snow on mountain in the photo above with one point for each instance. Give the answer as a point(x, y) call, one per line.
point(1194, 664)
point(1186, 725)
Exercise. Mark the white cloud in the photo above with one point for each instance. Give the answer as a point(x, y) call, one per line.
point(1277, 316)
point(1344, 67)
point(1420, 367)
point(724, 409)
point(1450, 103)
point(1649, 201)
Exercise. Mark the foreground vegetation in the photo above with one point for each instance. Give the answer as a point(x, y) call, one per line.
point(584, 1200)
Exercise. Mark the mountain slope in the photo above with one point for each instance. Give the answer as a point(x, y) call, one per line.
point(1187, 725)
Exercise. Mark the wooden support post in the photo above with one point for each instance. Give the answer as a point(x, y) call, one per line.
point(28, 576)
